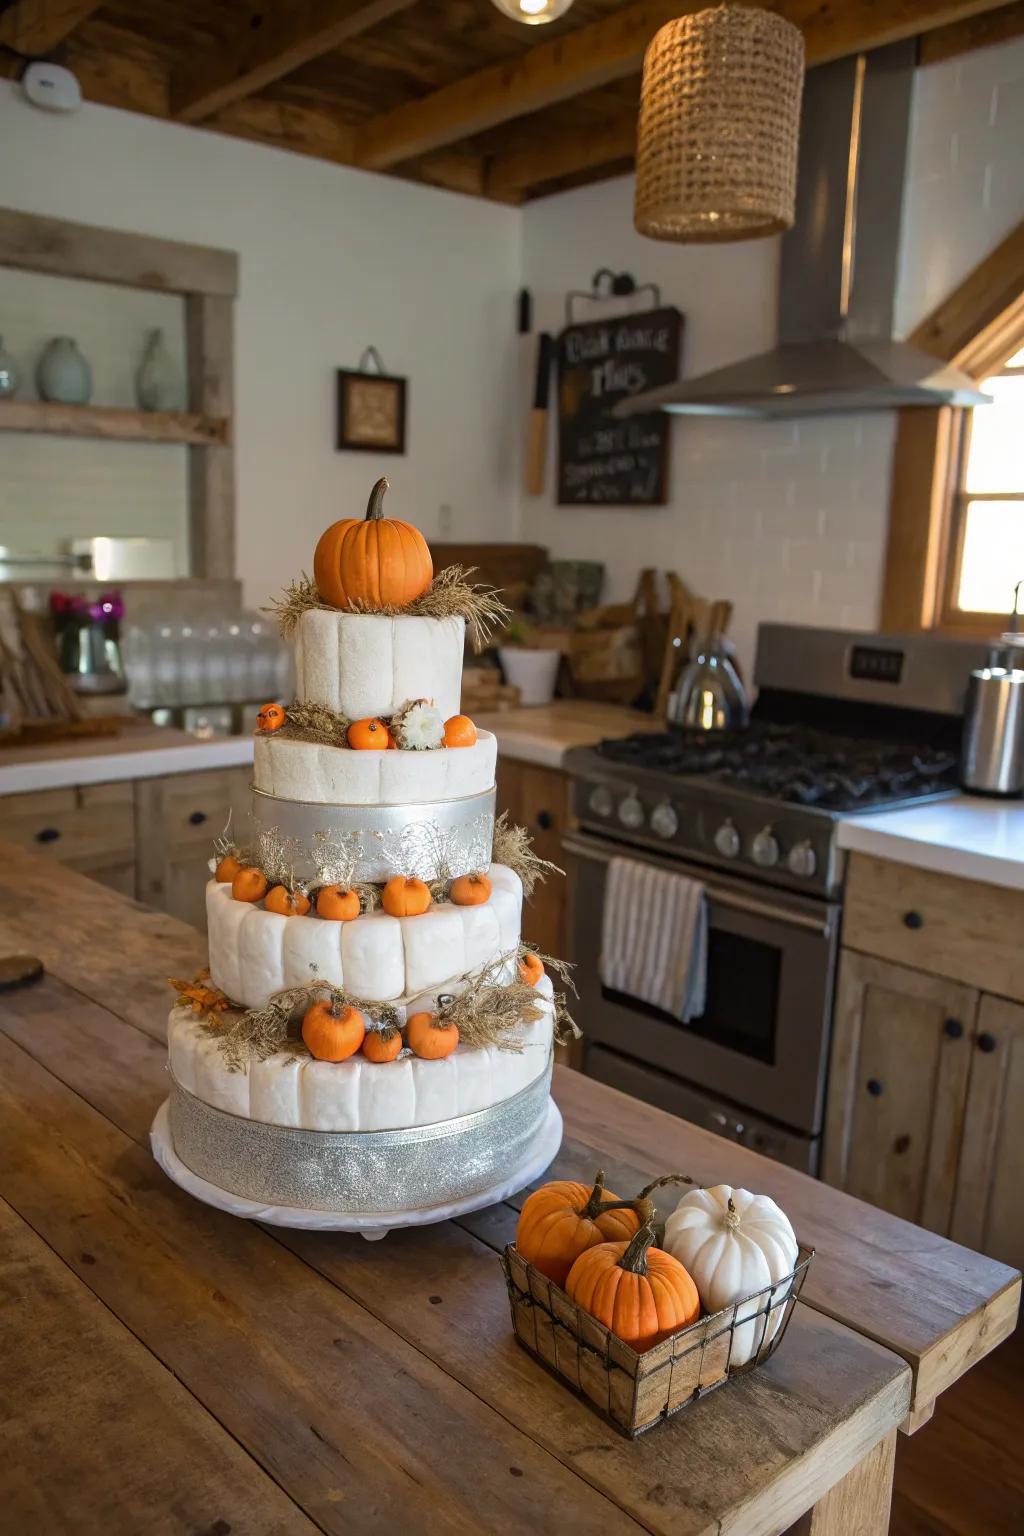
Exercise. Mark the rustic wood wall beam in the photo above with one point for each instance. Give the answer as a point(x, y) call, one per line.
point(969, 326)
point(564, 154)
point(38, 244)
point(35, 27)
point(612, 49)
point(290, 36)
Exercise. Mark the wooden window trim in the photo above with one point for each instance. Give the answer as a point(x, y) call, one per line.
point(977, 328)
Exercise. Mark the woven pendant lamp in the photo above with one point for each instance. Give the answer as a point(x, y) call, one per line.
point(719, 126)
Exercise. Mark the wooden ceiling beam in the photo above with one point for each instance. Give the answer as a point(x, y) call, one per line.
point(291, 35)
point(36, 27)
point(612, 49)
point(974, 32)
point(563, 154)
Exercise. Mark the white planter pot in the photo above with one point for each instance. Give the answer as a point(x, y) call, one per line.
point(532, 672)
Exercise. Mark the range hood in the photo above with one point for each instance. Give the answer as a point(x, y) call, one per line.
point(839, 267)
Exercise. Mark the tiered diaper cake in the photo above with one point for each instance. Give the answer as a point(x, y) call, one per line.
point(372, 1045)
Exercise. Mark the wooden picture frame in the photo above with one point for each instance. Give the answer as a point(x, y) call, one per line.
point(371, 412)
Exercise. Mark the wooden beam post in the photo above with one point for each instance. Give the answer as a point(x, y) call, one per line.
point(290, 36)
point(209, 324)
point(859, 1503)
point(35, 27)
point(613, 48)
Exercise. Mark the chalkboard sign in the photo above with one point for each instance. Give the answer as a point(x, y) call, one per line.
point(602, 460)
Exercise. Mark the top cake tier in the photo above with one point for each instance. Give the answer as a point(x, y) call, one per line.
point(362, 665)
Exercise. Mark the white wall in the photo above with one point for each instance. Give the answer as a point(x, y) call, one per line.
point(787, 520)
point(331, 260)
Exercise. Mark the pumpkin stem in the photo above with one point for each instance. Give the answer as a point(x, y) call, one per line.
point(375, 505)
point(594, 1204)
point(668, 1178)
point(634, 1260)
point(732, 1216)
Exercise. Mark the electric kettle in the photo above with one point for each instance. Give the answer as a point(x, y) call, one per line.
point(992, 754)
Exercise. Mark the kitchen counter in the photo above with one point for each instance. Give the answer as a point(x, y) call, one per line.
point(545, 733)
point(138, 752)
point(968, 836)
point(129, 1272)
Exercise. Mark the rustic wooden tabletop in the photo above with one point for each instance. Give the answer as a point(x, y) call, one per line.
point(171, 1368)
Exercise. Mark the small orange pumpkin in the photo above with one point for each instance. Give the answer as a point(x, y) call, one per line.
point(430, 1037)
point(639, 1292)
point(332, 1032)
point(405, 896)
point(249, 885)
point(227, 869)
point(459, 731)
point(372, 562)
point(338, 903)
point(382, 1045)
point(368, 736)
point(286, 903)
point(271, 718)
point(470, 890)
point(531, 969)
point(563, 1219)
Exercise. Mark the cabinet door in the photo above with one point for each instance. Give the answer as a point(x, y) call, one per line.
point(87, 828)
point(178, 820)
point(901, 1054)
point(989, 1212)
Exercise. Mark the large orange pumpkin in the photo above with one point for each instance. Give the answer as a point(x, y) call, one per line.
point(332, 1032)
point(372, 563)
point(405, 896)
point(639, 1292)
point(563, 1219)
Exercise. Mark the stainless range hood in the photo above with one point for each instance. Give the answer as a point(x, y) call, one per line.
point(837, 281)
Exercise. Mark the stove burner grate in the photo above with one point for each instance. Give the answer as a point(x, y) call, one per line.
point(795, 764)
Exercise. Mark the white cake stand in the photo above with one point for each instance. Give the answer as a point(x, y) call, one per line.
point(372, 1226)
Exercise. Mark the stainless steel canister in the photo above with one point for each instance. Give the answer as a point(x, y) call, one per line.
point(992, 759)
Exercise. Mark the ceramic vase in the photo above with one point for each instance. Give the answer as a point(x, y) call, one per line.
point(63, 375)
point(158, 381)
point(9, 375)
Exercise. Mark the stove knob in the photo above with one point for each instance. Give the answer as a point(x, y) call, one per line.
point(802, 859)
point(764, 850)
point(600, 801)
point(727, 840)
point(631, 812)
point(664, 820)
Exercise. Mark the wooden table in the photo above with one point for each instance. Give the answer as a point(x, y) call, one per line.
point(174, 1369)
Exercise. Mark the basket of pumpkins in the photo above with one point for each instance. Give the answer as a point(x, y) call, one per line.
point(642, 1320)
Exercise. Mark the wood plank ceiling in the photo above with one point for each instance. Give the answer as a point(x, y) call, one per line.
point(449, 92)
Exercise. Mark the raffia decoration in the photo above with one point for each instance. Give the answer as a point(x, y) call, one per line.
point(451, 594)
point(314, 722)
point(513, 847)
point(719, 126)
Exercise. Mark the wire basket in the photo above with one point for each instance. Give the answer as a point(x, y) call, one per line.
point(635, 1392)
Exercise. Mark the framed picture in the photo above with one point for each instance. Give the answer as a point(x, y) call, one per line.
point(371, 412)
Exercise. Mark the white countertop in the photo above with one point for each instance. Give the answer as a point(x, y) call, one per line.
point(968, 835)
point(100, 761)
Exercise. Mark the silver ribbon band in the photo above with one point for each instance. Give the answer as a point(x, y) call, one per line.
point(322, 844)
point(357, 1171)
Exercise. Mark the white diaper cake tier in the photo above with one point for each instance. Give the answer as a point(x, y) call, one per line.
point(372, 1044)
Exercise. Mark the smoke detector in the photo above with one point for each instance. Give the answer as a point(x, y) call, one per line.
point(52, 87)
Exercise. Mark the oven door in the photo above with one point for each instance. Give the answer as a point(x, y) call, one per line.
point(763, 1039)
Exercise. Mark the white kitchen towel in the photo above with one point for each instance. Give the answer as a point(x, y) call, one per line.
point(654, 940)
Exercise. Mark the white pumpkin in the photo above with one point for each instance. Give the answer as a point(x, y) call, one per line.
point(734, 1243)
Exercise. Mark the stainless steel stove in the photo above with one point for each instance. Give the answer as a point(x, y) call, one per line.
point(844, 723)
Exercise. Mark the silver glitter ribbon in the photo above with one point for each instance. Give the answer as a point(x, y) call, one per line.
point(358, 1171)
point(323, 844)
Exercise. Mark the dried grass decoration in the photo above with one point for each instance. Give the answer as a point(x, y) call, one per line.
point(450, 595)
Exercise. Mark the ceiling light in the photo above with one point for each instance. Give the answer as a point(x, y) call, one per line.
point(533, 13)
point(719, 126)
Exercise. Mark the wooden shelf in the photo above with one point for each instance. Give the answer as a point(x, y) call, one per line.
point(110, 422)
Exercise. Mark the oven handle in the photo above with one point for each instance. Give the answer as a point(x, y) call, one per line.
point(733, 901)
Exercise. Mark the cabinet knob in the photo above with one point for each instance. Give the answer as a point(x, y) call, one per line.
point(913, 920)
point(47, 835)
point(986, 1042)
point(197, 818)
point(953, 1028)
point(874, 1087)
point(545, 820)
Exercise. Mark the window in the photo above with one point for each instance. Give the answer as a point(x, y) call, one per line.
point(987, 543)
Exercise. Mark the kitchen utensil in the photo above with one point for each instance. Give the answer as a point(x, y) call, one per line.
point(711, 695)
point(992, 758)
point(537, 428)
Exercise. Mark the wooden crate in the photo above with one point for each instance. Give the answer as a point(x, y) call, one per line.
point(635, 1392)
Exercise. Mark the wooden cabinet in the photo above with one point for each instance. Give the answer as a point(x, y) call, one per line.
point(91, 829)
point(901, 1056)
point(538, 799)
point(178, 820)
point(989, 1210)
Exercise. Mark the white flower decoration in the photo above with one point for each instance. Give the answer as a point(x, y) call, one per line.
point(418, 726)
